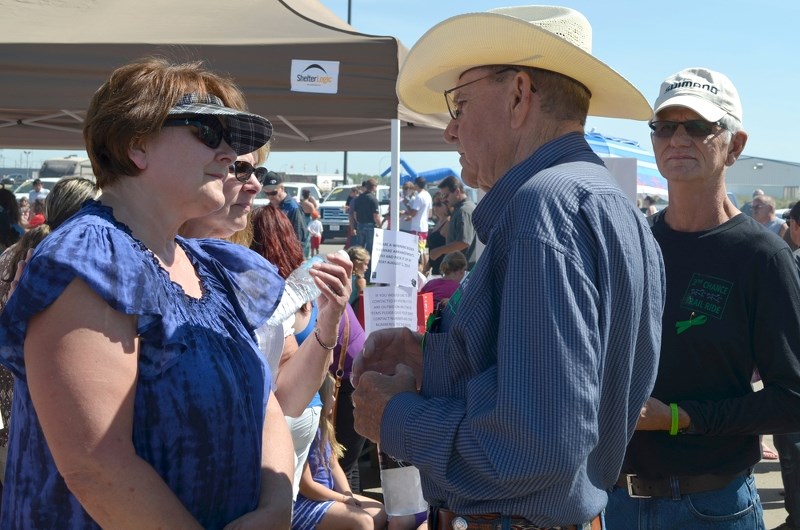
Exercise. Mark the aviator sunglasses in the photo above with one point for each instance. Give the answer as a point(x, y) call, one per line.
point(243, 170)
point(207, 129)
point(694, 128)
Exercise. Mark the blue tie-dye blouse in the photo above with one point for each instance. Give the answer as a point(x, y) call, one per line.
point(202, 386)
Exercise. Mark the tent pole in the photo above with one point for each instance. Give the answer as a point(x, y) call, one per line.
point(394, 183)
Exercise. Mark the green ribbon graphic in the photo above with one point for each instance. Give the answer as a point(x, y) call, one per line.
point(683, 325)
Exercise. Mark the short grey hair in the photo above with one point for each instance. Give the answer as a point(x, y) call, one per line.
point(729, 123)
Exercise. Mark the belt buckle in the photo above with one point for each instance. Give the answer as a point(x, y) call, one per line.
point(459, 523)
point(631, 494)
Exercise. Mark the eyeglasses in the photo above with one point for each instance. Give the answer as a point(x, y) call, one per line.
point(453, 105)
point(243, 170)
point(694, 128)
point(207, 129)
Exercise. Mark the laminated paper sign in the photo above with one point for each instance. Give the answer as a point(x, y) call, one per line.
point(395, 258)
point(321, 77)
point(389, 306)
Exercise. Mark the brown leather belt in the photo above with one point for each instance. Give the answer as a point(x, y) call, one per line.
point(675, 487)
point(447, 520)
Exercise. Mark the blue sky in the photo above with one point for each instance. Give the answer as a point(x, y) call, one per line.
point(753, 43)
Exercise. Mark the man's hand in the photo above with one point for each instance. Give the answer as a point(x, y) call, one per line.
point(657, 416)
point(373, 393)
point(385, 349)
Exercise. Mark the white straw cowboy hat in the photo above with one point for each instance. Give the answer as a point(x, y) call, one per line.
point(558, 39)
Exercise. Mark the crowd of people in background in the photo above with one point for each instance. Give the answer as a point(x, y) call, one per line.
point(175, 389)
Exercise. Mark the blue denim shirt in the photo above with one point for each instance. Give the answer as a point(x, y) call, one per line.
point(533, 386)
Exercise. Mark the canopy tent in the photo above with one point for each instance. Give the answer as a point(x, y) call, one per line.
point(649, 180)
point(55, 53)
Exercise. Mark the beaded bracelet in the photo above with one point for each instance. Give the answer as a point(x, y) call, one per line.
point(322, 344)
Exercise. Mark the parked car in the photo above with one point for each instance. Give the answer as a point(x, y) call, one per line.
point(8, 182)
point(293, 189)
point(25, 188)
point(13, 180)
point(334, 216)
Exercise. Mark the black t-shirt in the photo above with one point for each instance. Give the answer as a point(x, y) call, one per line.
point(365, 207)
point(733, 305)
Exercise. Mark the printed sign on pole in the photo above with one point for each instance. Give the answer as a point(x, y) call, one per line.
point(395, 258)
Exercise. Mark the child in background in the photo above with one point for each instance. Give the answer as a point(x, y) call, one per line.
point(315, 230)
point(37, 211)
point(453, 268)
point(24, 211)
point(325, 501)
point(360, 258)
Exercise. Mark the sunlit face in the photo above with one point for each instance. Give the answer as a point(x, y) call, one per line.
point(232, 217)
point(360, 267)
point(189, 174)
point(440, 207)
point(762, 211)
point(682, 158)
point(276, 195)
point(451, 198)
point(479, 132)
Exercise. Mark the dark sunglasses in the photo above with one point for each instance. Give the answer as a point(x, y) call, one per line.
point(244, 170)
point(207, 129)
point(694, 128)
point(271, 193)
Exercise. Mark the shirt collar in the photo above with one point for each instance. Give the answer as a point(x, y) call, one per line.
point(571, 147)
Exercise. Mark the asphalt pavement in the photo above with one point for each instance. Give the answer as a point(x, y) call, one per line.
point(770, 487)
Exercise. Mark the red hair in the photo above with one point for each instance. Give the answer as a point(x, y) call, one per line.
point(275, 239)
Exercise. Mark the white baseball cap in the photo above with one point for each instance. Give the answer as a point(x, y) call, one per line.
point(708, 93)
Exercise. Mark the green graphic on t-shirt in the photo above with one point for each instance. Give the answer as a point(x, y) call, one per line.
point(706, 295)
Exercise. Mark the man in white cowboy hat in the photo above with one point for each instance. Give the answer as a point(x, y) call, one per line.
point(732, 306)
point(533, 375)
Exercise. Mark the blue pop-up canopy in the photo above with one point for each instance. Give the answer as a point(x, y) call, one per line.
point(431, 176)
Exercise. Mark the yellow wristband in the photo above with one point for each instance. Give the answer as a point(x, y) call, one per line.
point(673, 428)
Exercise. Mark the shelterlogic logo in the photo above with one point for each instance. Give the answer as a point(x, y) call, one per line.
point(315, 76)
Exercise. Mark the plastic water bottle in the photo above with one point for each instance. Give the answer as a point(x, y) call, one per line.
point(402, 488)
point(299, 289)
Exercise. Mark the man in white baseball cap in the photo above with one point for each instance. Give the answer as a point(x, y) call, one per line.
point(732, 306)
point(529, 388)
